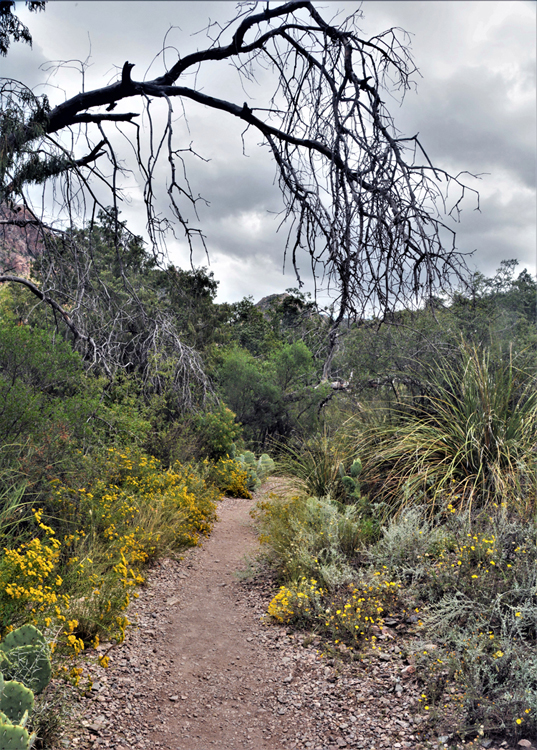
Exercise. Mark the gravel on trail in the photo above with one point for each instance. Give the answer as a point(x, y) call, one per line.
point(205, 669)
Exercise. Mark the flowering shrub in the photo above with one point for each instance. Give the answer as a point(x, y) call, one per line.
point(348, 615)
point(29, 579)
point(475, 580)
point(230, 478)
point(354, 611)
point(129, 505)
point(298, 603)
point(75, 581)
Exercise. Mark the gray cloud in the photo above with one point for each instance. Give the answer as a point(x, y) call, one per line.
point(471, 122)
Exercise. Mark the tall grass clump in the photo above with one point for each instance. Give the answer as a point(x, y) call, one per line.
point(470, 441)
point(325, 466)
point(15, 509)
point(313, 466)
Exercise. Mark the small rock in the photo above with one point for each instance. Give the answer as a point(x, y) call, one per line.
point(525, 743)
point(174, 697)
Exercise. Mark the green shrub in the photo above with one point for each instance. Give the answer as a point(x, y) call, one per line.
point(474, 584)
point(410, 543)
point(218, 431)
point(310, 537)
point(43, 387)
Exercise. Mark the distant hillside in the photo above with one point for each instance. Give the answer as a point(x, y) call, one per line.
point(21, 240)
point(268, 303)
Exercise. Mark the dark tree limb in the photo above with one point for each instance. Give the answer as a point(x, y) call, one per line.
point(53, 304)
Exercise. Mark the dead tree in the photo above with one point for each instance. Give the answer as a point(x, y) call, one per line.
point(363, 200)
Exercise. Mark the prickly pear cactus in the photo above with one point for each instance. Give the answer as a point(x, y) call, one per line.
point(265, 466)
point(16, 701)
point(31, 666)
point(248, 458)
point(15, 737)
point(256, 470)
point(4, 662)
point(27, 635)
point(356, 468)
point(25, 656)
point(248, 464)
point(349, 482)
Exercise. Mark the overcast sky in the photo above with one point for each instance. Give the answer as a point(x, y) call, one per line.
point(474, 109)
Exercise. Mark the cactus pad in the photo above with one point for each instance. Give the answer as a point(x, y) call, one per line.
point(15, 701)
point(27, 635)
point(4, 662)
point(31, 666)
point(265, 466)
point(25, 656)
point(249, 458)
point(15, 738)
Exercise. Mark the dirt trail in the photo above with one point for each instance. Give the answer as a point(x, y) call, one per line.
point(218, 692)
point(198, 672)
point(203, 669)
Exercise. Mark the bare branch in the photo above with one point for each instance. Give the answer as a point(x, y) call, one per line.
point(373, 219)
point(50, 301)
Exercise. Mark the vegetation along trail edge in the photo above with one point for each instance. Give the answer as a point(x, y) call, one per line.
point(204, 669)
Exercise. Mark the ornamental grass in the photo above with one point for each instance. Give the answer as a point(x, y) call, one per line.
point(469, 440)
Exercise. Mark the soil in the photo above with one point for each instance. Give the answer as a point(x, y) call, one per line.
point(205, 669)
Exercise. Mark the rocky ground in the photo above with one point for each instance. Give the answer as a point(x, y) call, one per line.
point(205, 669)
